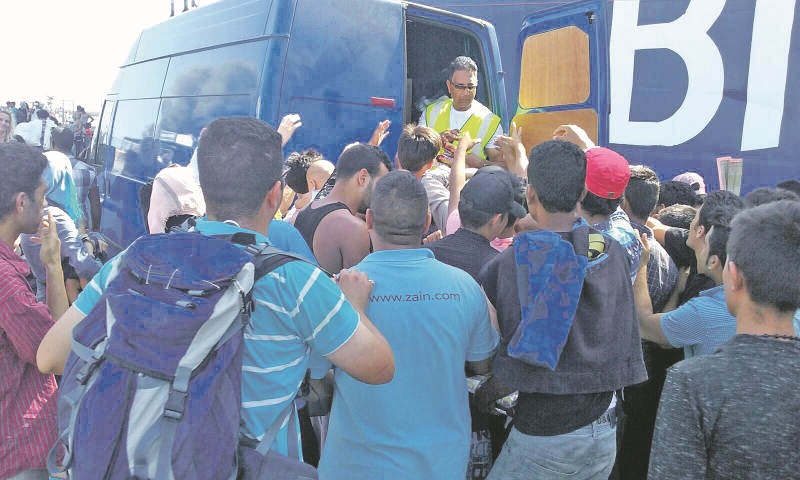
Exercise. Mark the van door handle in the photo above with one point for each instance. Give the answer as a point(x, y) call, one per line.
point(382, 102)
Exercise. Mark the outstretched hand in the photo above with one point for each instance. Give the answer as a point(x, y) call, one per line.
point(289, 124)
point(380, 133)
point(643, 240)
point(574, 134)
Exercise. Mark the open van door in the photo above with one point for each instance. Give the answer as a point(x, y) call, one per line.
point(563, 78)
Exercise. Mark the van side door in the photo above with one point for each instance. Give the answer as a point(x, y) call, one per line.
point(563, 61)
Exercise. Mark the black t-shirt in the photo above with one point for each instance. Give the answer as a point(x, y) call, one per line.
point(464, 249)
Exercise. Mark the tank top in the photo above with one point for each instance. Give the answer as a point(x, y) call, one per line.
point(307, 221)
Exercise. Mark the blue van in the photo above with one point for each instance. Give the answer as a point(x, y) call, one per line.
point(342, 65)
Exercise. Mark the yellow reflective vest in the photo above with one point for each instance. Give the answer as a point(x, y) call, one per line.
point(481, 124)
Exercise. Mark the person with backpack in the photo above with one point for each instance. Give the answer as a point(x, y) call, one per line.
point(293, 312)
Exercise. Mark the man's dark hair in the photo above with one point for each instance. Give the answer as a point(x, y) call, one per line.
point(594, 205)
point(359, 156)
point(297, 167)
point(764, 195)
point(719, 208)
point(718, 241)
point(678, 216)
point(764, 245)
point(790, 184)
point(461, 63)
point(62, 139)
point(557, 172)
point(642, 191)
point(21, 168)
point(239, 160)
point(418, 145)
point(673, 193)
point(399, 208)
point(471, 217)
point(42, 114)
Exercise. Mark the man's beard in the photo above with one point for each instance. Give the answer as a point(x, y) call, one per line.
point(364, 205)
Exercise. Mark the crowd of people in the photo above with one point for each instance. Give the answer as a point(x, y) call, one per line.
point(493, 310)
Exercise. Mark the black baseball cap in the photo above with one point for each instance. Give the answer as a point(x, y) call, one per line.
point(491, 190)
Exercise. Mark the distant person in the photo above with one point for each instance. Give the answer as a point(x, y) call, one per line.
point(764, 195)
point(23, 114)
point(85, 178)
point(677, 216)
point(7, 128)
point(37, 132)
point(673, 192)
point(27, 397)
point(695, 181)
point(175, 198)
point(790, 184)
point(700, 432)
point(330, 227)
point(462, 113)
point(437, 321)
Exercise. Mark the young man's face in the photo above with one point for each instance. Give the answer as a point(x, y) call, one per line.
point(462, 87)
point(697, 234)
point(702, 254)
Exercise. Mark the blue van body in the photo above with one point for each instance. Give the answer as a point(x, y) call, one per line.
point(343, 65)
point(676, 84)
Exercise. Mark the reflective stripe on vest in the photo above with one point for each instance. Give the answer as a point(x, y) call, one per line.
point(437, 115)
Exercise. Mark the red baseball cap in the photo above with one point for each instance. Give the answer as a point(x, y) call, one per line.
point(607, 173)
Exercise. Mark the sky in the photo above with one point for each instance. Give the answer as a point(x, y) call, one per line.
point(78, 52)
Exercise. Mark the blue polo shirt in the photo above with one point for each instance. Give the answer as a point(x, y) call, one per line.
point(299, 311)
point(436, 318)
point(700, 325)
point(283, 235)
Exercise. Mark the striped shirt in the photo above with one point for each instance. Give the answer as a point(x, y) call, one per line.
point(299, 312)
point(700, 325)
point(84, 177)
point(618, 227)
point(27, 397)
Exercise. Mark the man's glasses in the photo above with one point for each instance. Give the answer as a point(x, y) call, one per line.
point(460, 86)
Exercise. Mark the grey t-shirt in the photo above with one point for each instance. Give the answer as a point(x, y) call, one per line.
point(732, 414)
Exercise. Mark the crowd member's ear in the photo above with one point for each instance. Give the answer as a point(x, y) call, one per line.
point(735, 277)
point(275, 194)
point(713, 262)
point(363, 177)
point(369, 219)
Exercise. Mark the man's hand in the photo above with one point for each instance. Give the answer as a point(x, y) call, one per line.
point(356, 286)
point(380, 133)
point(289, 124)
point(437, 235)
point(449, 136)
point(574, 134)
point(50, 253)
point(465, 142)
point(514, 154)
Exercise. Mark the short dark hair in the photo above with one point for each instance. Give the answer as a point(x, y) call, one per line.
point(62, 139)
point(359, 156)
point(764, 195)
point(719, 208)
point(461, 63)
point(418, 145)
point(718, 241)
point(673, 193)
point(557, 172)
point(239, 160)
point(471, 217)
point(594, 205)
point(21, 168)
point(790, 184)
point(297, 167)
point(42, 113)
point(764, 244)
point(642, 191)
point(678, 216)
point(399, 208)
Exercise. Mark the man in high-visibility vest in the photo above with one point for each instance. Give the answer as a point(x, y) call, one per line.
point(462, 113)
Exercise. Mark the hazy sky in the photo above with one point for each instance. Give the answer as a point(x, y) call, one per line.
point(71, 49)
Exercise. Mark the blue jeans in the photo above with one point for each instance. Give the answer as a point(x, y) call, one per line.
point(586, 453)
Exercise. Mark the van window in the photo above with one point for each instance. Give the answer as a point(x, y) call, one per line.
point(426, 74)
point(133, 139)
point(181, 119)
point(555, 68)
point(103, 135)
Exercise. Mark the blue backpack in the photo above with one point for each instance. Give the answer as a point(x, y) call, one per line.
point(152, 386)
